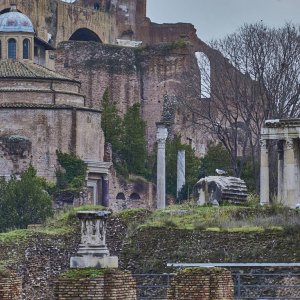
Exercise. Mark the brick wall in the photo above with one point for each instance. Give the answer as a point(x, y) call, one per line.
point(114, 284)
point(204, 284)
point(10, 287)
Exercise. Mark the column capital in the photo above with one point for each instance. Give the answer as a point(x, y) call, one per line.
point(289, 144)
point(263, 143)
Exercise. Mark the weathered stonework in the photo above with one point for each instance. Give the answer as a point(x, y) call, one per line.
point(10, 286)
point(114, 284)
point(204, 284)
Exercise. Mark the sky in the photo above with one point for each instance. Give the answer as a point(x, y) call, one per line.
point(215, 19)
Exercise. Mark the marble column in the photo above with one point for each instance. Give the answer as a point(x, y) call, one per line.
point(180, 170)
point(280, 178)
point(289, 174)
point(161, 136)
point(264, 173)
point(105, 191)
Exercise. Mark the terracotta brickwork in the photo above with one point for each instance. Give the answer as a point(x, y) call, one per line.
point(114, 284)
point(204, 284)
point(10, 287)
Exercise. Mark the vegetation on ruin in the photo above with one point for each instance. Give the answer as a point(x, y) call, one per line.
point(83, 273)
point(23, 201)
point(127, 137)
point(192, 164)
point(225, 218)
point(73, 173)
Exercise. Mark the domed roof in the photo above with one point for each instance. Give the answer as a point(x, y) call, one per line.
point(13, 69)
point(15, 21)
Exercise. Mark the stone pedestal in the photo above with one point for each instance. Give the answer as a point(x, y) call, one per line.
point(161, 136)
point(93, 252)
point(180, 170)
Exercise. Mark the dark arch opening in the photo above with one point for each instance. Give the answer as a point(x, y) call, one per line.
point(120, 196)
point(135, 196)
point(96, 6)
point(86, 35)
point(5, 10)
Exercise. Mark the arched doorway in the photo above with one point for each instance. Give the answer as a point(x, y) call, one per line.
point(85, 34)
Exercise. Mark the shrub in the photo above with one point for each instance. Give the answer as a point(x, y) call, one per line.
point(74, 173)
point(24, 201)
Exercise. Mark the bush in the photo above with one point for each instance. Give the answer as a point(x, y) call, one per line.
point(74, 173)
point(24, 201)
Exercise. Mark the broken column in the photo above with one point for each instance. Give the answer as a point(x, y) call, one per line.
point(180, 170)
point(161, 136)
point(93, 252)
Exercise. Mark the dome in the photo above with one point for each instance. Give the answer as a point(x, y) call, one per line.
point(14, 21)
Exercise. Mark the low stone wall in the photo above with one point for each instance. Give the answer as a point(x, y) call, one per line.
point(204, 284)
point(10, 287)
point(113, 284)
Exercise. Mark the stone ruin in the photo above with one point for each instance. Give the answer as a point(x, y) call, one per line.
point(93, 252)
point(219, 189)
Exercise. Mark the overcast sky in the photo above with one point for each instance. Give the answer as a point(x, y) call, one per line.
point(216, 18)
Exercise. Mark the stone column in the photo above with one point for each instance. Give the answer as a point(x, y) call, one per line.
point(105, 191)
point(289, 174)
point(161, 136)
point(180, 170)
point(280, 178)
point(264, 173)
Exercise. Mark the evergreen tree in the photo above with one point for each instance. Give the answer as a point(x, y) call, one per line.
point(111, 124)
point(217, 157)
point(135, 149)
point(191, 166)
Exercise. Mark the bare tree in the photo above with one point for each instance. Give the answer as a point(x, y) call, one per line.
point(253, 75)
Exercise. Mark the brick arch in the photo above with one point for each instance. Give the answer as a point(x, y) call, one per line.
point(85, 34)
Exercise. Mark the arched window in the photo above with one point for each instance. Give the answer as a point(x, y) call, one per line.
point(26, 48)
point(135, 196)
point(97, 6)
point(12, 49)
point(204, 67)
point(120, 196)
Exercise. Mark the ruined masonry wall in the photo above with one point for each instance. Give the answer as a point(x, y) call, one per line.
point(133, 75)
point(114, 284)
point(195, 284)
point(10, 287)
point(47, 130)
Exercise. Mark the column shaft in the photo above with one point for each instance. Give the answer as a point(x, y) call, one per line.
point(264, 173)
point(289, 174)
point(180, 170)
point(105, 191)
point(161, 175)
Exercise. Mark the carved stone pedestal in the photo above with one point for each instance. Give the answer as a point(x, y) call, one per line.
point(93, 252)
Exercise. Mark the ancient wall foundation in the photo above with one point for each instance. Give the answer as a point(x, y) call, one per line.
point(113, 284)
point(204, 284)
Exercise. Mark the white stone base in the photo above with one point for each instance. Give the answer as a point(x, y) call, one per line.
point(106, 262)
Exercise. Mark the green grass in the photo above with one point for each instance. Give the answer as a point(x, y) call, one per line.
point(83, 273)
point(14, 235)
point(227, 218)
point(67, 221)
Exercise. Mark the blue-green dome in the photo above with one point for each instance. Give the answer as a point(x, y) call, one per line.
point(14, 21)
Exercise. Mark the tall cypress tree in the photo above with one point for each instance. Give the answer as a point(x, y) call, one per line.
point(135, 149)
point(111, 124)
